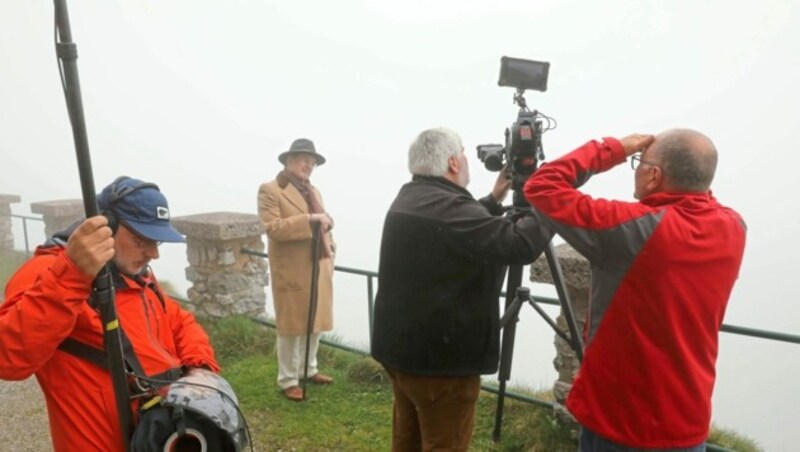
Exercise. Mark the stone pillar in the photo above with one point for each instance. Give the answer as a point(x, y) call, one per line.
point(57, 215)
point(224, 280)
point(575, 269)
point(6, 233)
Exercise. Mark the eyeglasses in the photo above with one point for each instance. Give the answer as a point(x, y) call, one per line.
point(637, 160)
point(140, 242)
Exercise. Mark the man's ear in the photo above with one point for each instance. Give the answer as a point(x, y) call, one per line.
point(656, 179)
point(453, 164)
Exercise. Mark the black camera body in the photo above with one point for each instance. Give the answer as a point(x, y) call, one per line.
point(522, 150)
point(493, 156)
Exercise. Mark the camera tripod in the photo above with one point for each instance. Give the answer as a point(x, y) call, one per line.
point(515, 297)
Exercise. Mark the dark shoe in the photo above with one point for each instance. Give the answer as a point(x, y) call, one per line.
point(321, 379)
point(294, 393)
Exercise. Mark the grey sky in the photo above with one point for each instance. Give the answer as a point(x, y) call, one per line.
point(201, 96)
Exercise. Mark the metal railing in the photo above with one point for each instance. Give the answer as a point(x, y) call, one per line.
point(370, 275)
point(25, 219)
point(733, 329)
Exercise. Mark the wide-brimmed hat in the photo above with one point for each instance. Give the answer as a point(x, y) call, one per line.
point(302, 146)
point(140, 206)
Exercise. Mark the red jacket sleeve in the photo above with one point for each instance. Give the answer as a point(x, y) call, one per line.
point(191, 341)
point(580, 219)
point(43, 300)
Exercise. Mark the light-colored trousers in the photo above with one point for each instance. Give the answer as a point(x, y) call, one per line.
point(291, 358)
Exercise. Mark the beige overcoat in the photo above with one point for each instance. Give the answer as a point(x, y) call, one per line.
point(284, 214)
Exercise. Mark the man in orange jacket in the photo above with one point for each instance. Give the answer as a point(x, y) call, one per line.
point(49, 328)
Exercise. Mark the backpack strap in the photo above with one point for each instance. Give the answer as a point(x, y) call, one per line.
point(85, 352)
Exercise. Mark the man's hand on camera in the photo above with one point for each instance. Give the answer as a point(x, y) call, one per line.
point(636, 142)
point(91, 245)
point(501, 186)
point(325, 221)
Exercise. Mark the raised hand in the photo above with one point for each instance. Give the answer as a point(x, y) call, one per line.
point(636, 142)
point(91, 245)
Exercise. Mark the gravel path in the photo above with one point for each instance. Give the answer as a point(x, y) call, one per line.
point(23, 417)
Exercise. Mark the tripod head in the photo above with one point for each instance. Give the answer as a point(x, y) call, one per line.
point(522, 151)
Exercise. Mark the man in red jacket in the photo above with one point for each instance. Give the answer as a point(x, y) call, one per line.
point(662, 271)
point(49, 328)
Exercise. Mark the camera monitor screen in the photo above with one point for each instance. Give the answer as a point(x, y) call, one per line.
point(523, 74)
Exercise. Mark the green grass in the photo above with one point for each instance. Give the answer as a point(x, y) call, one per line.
point(524, 428)
point(354, 413)
point(732, 440)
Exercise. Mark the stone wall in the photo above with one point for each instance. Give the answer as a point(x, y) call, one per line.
point(6, 232)
point(59, 214)
point(224, 280)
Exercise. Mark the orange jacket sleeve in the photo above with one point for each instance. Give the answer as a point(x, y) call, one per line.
point(191, 341)
point(42, 301)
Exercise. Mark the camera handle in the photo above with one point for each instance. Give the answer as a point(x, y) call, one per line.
point(519, 99)
point(511, 316)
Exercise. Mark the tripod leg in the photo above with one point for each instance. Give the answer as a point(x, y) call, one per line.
point(507, 350)
point(563, 297)
point(549, 321)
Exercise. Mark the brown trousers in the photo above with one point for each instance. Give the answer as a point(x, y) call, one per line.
point(433, 413)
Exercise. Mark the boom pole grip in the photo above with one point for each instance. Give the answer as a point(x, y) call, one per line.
point(102, 296)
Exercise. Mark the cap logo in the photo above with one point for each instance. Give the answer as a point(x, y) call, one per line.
point(162, 213)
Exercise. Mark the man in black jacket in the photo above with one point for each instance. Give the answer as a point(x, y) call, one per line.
point(443, 258)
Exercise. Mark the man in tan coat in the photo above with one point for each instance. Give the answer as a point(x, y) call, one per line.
point(288, 207)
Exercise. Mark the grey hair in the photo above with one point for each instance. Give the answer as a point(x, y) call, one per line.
point(688, 159)
point(428, 155)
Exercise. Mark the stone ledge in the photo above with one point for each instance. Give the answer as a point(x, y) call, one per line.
point(219, 225)
point(574, 267)
point(59, 208)
point(9, 199)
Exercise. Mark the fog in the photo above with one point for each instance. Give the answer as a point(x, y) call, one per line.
point(200, 97)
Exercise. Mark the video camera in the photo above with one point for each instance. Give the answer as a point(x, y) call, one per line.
point(523, 140)
point(520, 155)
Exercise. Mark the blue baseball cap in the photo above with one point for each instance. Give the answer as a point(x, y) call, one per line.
point(140, 206)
